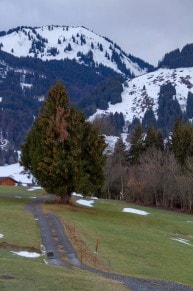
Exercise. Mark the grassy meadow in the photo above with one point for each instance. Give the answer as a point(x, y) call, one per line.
point(21, 232)
point(129, 244)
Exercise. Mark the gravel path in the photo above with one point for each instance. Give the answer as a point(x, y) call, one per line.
point(61, 252)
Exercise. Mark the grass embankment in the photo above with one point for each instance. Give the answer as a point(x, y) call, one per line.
point(132, 244)
point(21, 232)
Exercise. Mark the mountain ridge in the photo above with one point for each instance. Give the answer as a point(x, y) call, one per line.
point(73, 43)
point(100, 77)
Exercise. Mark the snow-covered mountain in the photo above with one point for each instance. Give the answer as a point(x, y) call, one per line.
point(142, 93)
point(93, 70)
point(73, 43)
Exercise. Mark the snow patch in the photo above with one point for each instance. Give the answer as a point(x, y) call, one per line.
point(35, 188)
point(76, 194)
point(88, 203)
point(183, 241)
point(1, 235)
point(94, 198)
point(27, 254)
point(135, 211)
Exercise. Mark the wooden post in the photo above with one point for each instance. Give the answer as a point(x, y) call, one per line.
point(96, 251)
point(81, 254)
point(97, 243)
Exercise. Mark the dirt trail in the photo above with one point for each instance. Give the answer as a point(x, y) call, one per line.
point(61, 252)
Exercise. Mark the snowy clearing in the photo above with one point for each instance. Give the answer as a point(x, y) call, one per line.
point(135, 211)
point(183, 241)
point(27, 254)
point(1, 235)
point(88, 203)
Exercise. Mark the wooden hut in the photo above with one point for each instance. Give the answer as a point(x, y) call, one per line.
point(8, 181)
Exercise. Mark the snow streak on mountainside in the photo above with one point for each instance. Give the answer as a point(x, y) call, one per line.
point(62, 42)
point(142, 93)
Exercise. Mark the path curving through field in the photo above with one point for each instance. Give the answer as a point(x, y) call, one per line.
point(62, 253)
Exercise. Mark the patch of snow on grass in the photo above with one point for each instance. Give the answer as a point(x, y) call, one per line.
point(189, 221)
point(135, 211)
point(1, 235)
point(27, 254)
point(35, 188)
point(88, 203)
point(182, 240)
point(76, 194)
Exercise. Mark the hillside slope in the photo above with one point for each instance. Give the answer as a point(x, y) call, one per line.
point(142, 93)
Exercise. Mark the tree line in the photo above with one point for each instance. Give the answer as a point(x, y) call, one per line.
point(65, 153)
point(178, 59)
point(154, 171)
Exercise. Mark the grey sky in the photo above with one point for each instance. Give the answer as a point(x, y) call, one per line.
point(145, 28)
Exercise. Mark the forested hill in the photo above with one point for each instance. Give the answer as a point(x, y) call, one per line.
point(32, 59)
point(99, 76)
point(24, 83)
point(178, 59)
point(155, 99)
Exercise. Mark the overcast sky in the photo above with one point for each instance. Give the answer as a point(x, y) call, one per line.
point(145, 28)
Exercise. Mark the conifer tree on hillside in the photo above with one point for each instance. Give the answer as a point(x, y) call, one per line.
point(63, 151)
point(149, 119)
point(120, 154)
point(137, 146)
point(115, 171)
point(182, 141)
point(189, 105)
point(154, 139)
point(169, 109)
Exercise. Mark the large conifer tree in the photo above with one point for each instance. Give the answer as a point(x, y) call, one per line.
point(62, 150)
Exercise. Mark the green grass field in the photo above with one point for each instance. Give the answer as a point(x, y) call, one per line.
point(20, 230)
point(132, 244)
point(129, 244)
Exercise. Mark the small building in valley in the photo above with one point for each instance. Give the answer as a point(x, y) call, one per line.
point(7, 181)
